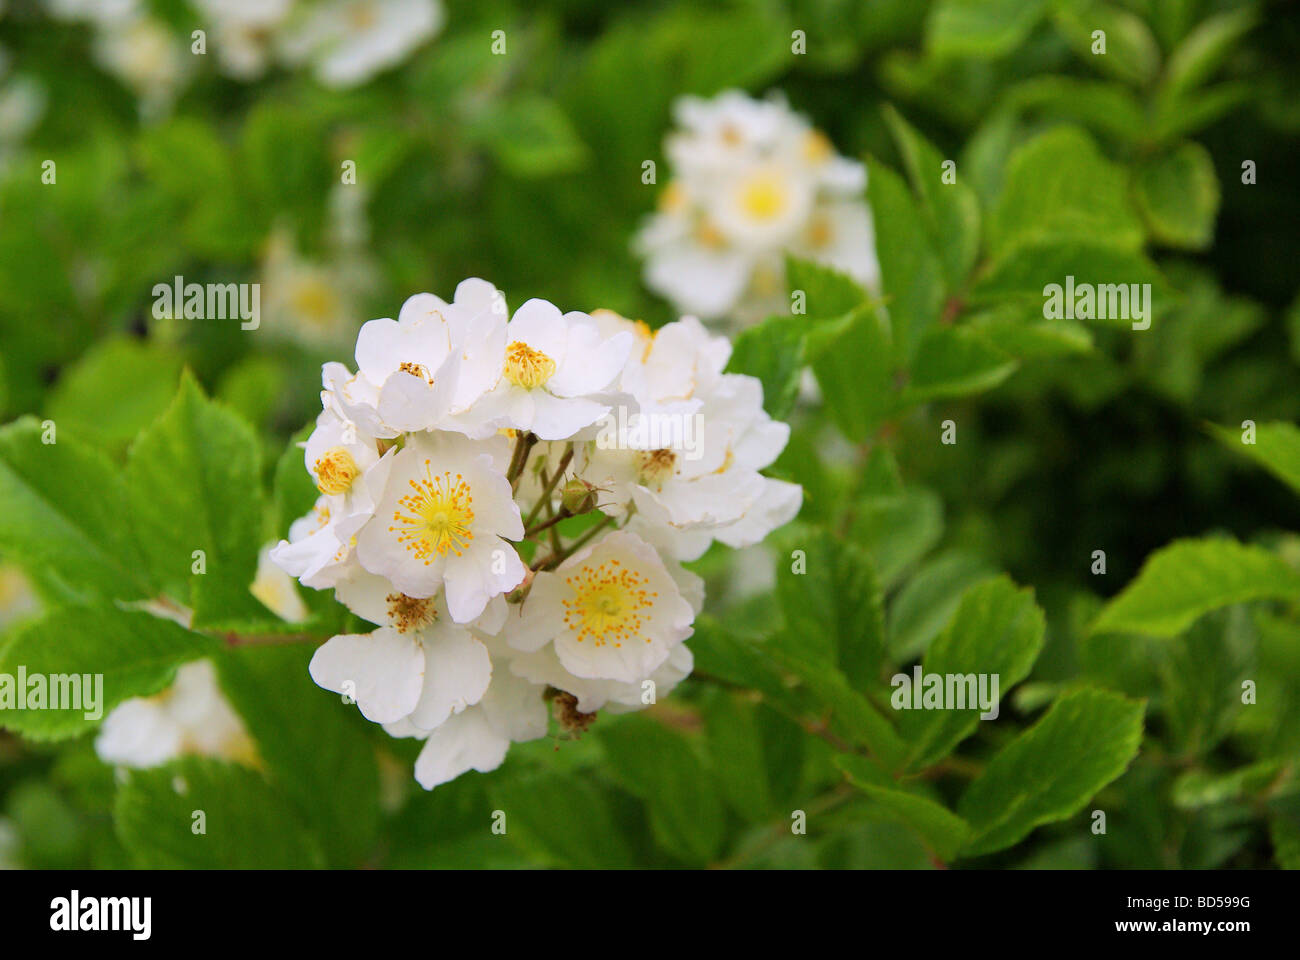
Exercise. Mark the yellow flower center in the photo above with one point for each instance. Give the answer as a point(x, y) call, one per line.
point(763, 198)
point(314, 301)
point(655, 466)
point(335, 471)
point(438, 517)
point(415, 370)
point(817, 147)
point(820, 233)
point(410, 613)
point(363, 16)
point(526, 367)
point(673, 197)
point(707, 235)
point(607, 604)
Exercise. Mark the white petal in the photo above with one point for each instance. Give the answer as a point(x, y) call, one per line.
point(457, 671)
point(383, 671)
point(465, 742)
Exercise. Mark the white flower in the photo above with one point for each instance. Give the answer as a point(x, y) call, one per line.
point(613, 611)
point(145, 55)
point(548, 368)
point(351, 476)
point(459, 422)
point(417, 371)
point(512, 711)
point(712, 484)
point(241, 32)
point(191, 716)
point(349, 41)
point(444, 519)
point(418, 666)
point(753, 181)
point(276, 589)
point(617, 696)
point(307, 301)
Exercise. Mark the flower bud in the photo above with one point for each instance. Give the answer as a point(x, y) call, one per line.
point(578, 496)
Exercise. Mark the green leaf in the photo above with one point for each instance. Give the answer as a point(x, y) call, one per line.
point(136, 653)
point(956, 362)
point(314, 750)
point(561, 818)
point(834, 608)
point(115, 390)
point(1201, 677)
point(65, 515)
point(851, 359)
point(773, 351)
point(981, 28)
point(532, 137)
point(943, 831)
point(827, 292)
point(1284, 831)
point(246, 824)
point(659, 766)
point(1178, 195)
point(1025, 272)
point(897, 530)
point(852, 715)
point(736, 753)
point(929, 599)
point(911, 273)
point(1101, 106)
point(1276, 449)
point(997, 631)
point(1200, 788)
point(1059, 187)
point(195, 484)
point(1132, 54)
point(1205, 48)
point(951, 210)
point(1188, 578)
point(1051, 770)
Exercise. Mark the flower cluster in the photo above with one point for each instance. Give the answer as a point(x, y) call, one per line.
point(509, 500)
point(344, 42)
point(752, 182)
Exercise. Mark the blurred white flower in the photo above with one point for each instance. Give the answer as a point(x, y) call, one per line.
point(752, 182)
point(348, 41)
point(189, 717)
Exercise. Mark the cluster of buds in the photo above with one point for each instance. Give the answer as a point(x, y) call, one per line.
point(510, 500)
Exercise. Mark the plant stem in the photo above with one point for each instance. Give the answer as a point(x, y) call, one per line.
point(519, 459)
point(550, 486)
point(557, 558)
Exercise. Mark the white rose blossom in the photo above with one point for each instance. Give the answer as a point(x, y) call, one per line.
point(510, 554)
point(752, 182)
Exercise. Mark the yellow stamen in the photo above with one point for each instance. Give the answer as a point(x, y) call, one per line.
point(439, 516)
point(335, 471)
point(526, 367)
point(410, 613)
point(607, 604)
point(763, 198)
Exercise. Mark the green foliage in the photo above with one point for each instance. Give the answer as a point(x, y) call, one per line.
point(1003, 154)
